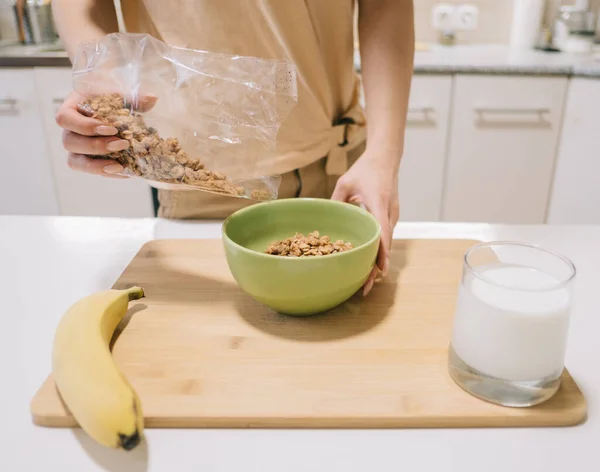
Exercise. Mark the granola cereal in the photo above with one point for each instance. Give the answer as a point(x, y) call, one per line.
point(306, 246)
point(156, 158)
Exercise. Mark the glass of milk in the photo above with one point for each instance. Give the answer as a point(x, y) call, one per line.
point(511, 323)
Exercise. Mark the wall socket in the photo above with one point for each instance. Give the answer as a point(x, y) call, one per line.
point(442, 16)
point(467, 17)
point(450, 17)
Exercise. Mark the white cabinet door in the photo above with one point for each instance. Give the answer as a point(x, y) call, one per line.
point(81, 194)
point(504, 133)
point(576, 190)
point(26, 183)
point(421, 176)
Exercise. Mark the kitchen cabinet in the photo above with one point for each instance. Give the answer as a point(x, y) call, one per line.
point(27, 186)
point(421, 175)
point(81, 194)
point(575, 195)
point(504, 134)
point(477, 148)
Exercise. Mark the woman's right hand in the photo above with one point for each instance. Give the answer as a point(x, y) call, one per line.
point(84, 135)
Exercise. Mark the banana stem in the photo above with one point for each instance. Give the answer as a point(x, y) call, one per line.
point(135, 293)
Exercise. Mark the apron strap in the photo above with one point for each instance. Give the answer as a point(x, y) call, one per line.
point(345, 136)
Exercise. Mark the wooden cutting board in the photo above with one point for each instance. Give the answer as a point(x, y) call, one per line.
point(201, 353)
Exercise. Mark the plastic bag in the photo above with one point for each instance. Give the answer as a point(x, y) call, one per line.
point(194, 118)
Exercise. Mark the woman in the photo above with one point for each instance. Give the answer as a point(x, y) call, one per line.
point(322, 145)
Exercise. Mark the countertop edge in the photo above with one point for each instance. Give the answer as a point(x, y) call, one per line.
point(6, 62)
point(534, 70)
point(34, 61)
point(444, 60)
point(492, 70)
point(500, 60)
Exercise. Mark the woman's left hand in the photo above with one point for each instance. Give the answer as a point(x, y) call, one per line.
point(373, 183)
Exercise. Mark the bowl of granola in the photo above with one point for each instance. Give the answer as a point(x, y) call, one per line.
point(301, 256)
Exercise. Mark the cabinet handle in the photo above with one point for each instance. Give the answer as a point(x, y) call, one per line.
point(424, 109)
point(513, 111)
point(56, 103)
point(10, 104)
point(420, 116)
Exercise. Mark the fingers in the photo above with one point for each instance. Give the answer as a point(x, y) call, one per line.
point(383, 256)
point(72, 117)
point(96, 146)
point(385, 214)
point(85, 136)
point(381, 212)
point(394, 213)
point(344, 192)
point(69, 118)
point(394, 217)
point(89, 165)
point(368, 285)
point(341, 191)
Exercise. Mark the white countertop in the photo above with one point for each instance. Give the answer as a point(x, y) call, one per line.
point(47, 263)
point(33, 55)
point(502, 59)
point(437, 59)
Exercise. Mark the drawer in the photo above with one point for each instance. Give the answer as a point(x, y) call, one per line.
point(504, 136)
point(27, 181)
point(421, 174)
point(82, 194)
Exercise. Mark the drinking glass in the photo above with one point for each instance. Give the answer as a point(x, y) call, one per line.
point(511, 323)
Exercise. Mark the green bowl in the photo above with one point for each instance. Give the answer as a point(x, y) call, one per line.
point(300, 285)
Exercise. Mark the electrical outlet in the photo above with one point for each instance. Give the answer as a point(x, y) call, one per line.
point(443, 16)
point(466, 17)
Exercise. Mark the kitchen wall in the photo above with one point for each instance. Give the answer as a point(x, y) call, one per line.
point(8, 32)
point(494, 20)
point(495, 17)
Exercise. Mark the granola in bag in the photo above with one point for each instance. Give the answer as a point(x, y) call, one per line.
point(214, 120)
point(156, 158)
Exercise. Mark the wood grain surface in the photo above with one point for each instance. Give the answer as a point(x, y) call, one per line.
point(201, 353)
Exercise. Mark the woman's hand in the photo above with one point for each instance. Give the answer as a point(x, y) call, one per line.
point(373, 183)
point(84, 135)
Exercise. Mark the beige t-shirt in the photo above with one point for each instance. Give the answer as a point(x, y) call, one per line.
point(316, 35)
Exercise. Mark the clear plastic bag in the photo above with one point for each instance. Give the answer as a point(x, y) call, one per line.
point(193, 118)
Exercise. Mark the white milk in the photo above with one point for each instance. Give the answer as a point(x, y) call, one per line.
point(512, 334)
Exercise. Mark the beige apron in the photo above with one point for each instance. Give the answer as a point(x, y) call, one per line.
point(317, 35)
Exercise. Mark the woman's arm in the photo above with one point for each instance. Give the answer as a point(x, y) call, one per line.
point(387, 42)
point(387, 46)
point(80, 21)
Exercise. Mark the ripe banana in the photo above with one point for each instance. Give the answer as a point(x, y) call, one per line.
point(96, 393)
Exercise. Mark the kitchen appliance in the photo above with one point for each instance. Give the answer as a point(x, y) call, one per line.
point(42, 23)
point(8, 27)
point(574, 28)
point(568, 28)
point(201, 353)
point(597, 26)
point(34, 21)
point(21, 20)
point(546, 34)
